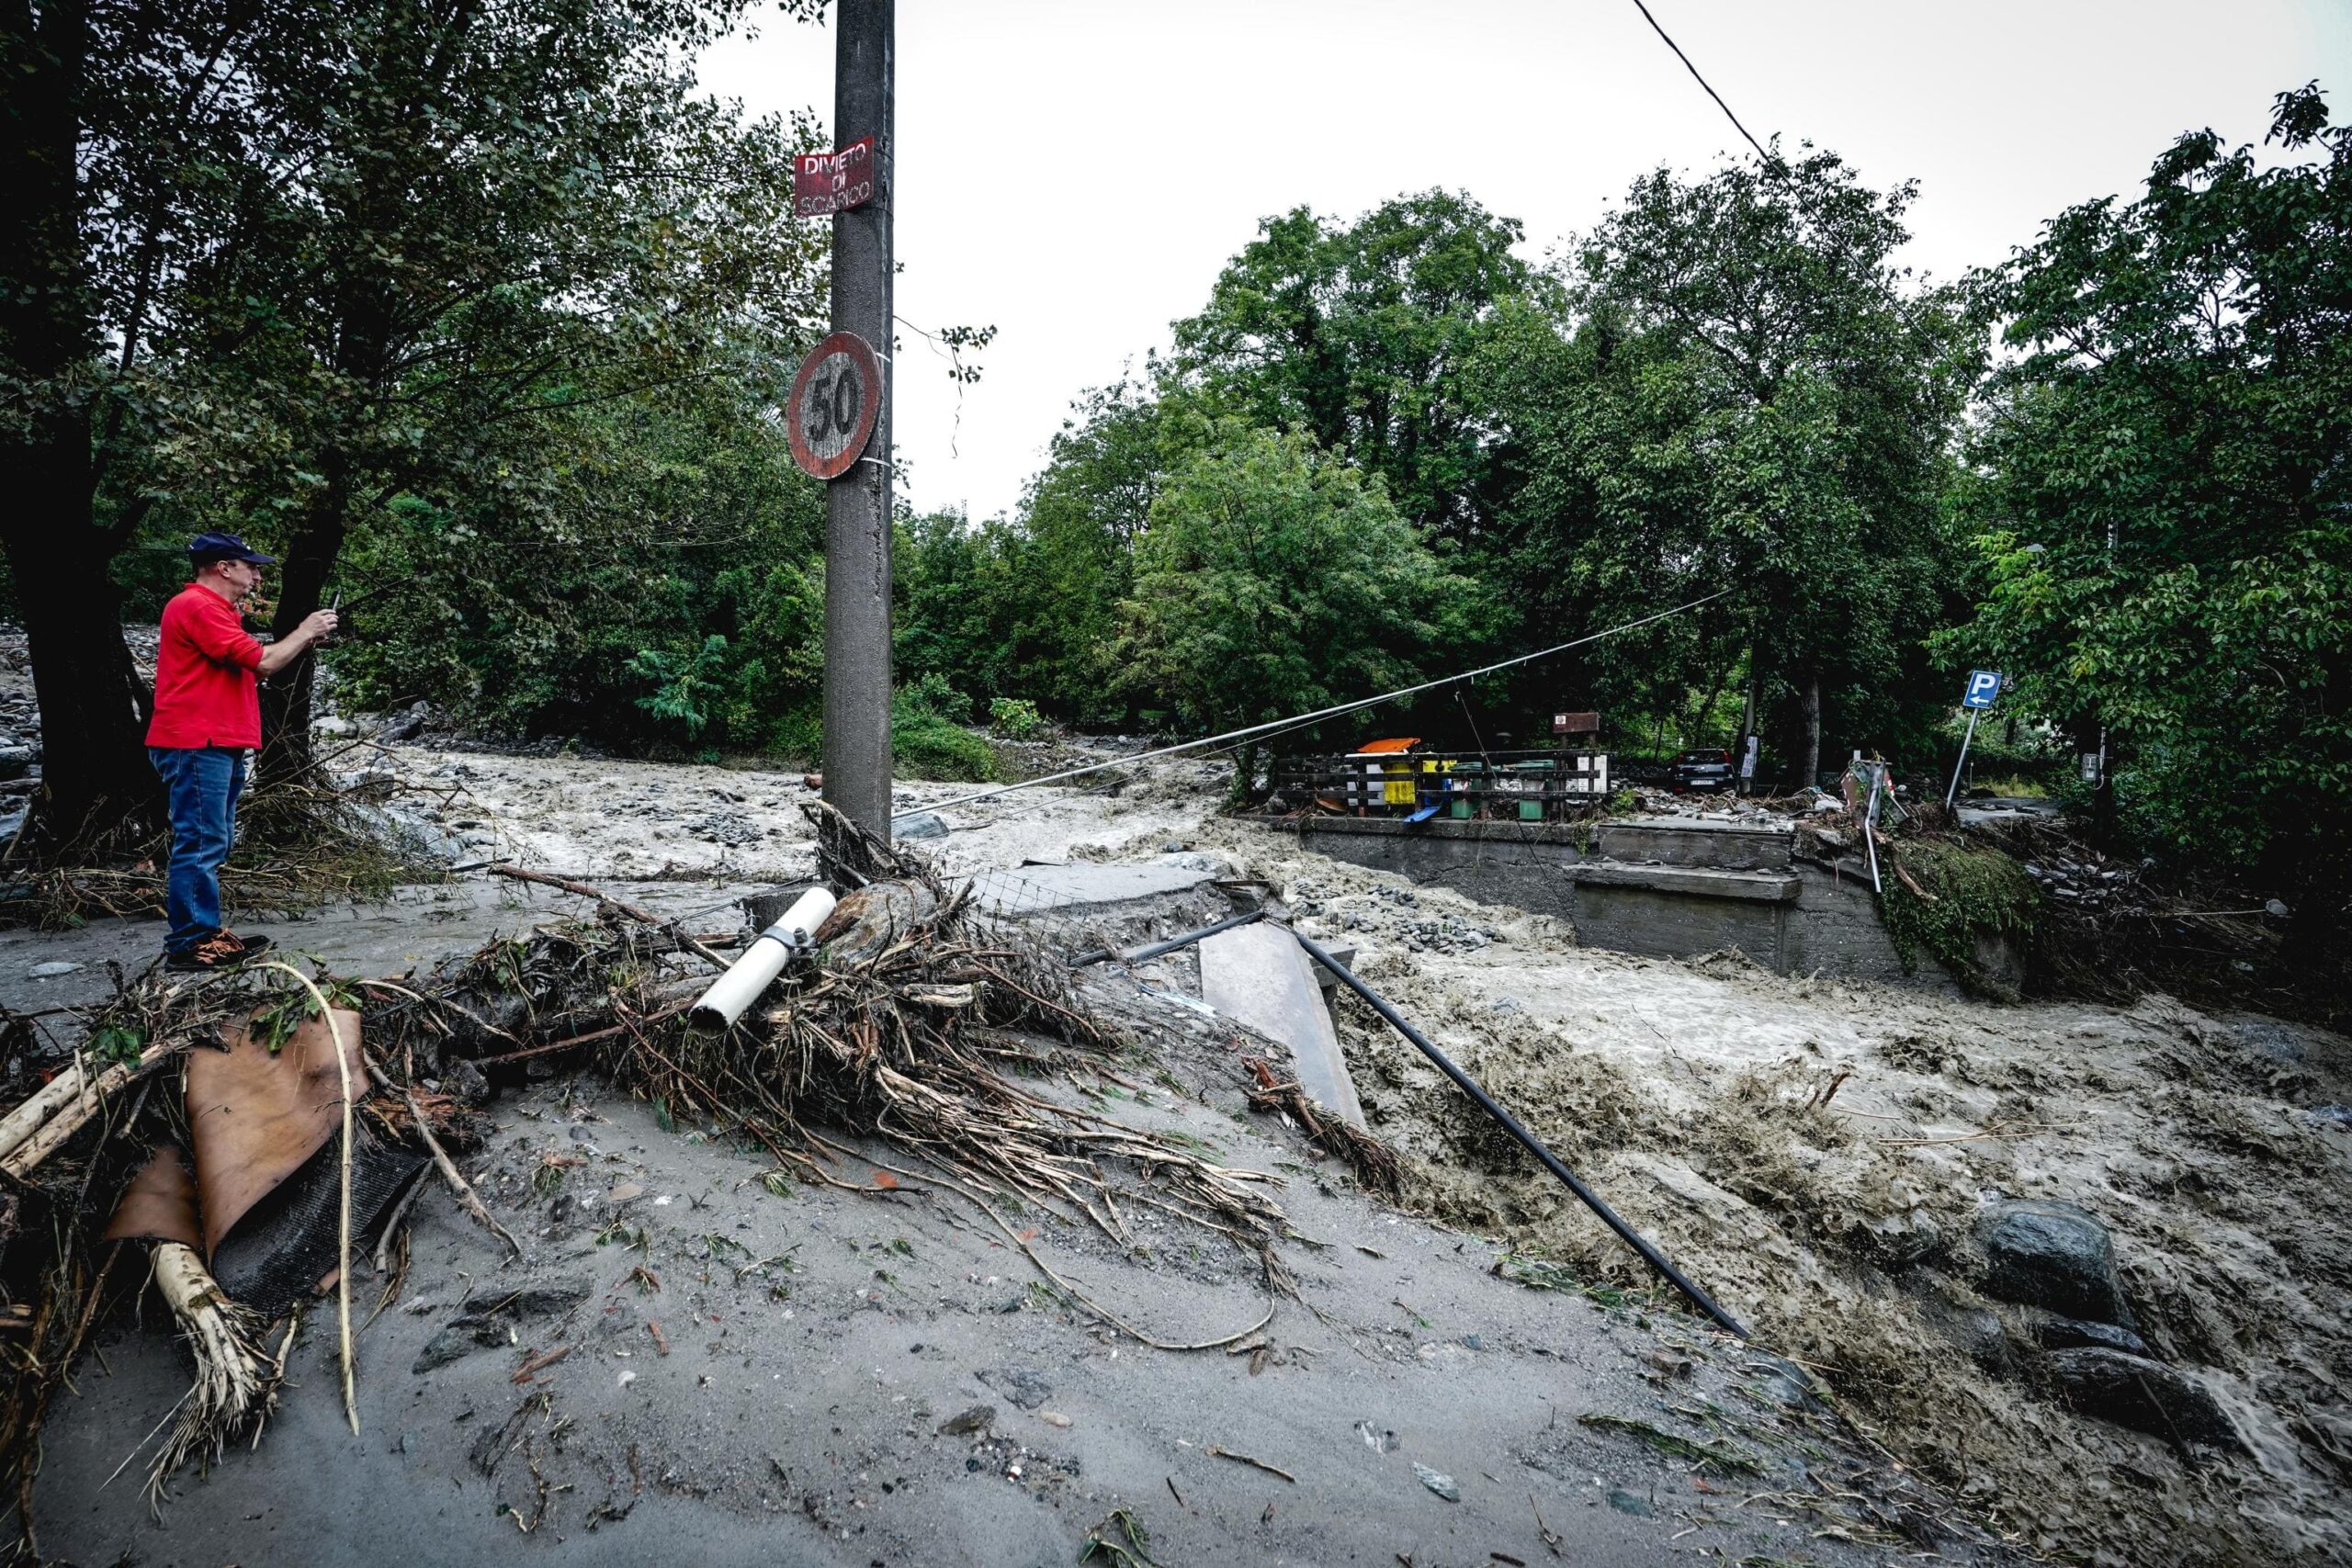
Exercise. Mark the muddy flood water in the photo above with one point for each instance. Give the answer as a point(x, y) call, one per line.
point(1826, 1157)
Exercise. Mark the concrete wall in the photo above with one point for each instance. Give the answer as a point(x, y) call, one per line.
point(1662, 924)
point(1661, 890)
point(1521, 863)
point(1838, 932)
point(1682, 841)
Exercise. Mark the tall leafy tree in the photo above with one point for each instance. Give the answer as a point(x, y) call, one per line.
point(1276, 578)
point(300, 269)
point(131, 126)
point(506, 214)
point(2161, 480)
point(660, 582)
point(1361, 334)
point(1743, 391)
point(1083, 521)
point(1030, 606)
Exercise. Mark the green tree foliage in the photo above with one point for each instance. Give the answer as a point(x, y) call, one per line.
point(1015, 719)
point(1274, 578)
point(2160, 479)
point(504, 214)
point(930, 738)
point(1738, 390)
point(310, 270)
point(1361, 335)
point(1081, 520)
point(1029, 608)
point(665, 589)
point(1728, 386)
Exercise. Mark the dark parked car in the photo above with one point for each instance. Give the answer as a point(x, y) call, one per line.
point(1703, 769)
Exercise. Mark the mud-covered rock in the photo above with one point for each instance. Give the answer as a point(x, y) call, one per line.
point(2053, 1256)
point(467, 1082)
point(1979, 1333)
point(1780, 1381)
point(1024, 1388)
point(450, 1343)
point(1900, 1240)
point(408, 725)
point(2144, 1395)
point(2073, 1334)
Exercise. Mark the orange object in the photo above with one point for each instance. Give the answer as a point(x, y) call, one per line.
point(255, 1115)
point(159, 1203)
point(1387, 748)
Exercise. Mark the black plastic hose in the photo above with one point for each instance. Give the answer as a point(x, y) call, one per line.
point(1137, 954)
point(1593, 1200)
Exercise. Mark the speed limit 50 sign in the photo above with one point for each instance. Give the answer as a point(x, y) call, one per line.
point(830, 415)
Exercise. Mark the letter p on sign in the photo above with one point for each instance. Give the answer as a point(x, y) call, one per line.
point(1984, 685)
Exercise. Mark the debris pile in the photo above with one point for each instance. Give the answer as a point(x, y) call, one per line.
point(914, 1029)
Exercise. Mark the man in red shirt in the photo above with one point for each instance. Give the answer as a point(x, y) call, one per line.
point(208, 716)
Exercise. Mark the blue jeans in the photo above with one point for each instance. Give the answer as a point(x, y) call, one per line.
point(201, 787)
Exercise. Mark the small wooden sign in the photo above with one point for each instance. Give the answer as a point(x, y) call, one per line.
point(826, 183)
point(1576, 724)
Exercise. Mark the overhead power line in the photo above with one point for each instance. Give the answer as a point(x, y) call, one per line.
point(1299, 721)
point(1661, 32)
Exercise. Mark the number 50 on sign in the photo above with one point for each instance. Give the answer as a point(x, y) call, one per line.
point(835, 399)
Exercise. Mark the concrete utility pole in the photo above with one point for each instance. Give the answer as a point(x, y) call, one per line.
point(857, 504)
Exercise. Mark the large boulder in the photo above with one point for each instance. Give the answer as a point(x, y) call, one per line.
point(2144, 1395)
point(2053, 1256)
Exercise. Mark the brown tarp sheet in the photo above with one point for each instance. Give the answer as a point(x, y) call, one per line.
point(160, 1202)
point(256, 1117)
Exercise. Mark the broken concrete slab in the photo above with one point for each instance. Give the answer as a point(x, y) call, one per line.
point(1260, 976)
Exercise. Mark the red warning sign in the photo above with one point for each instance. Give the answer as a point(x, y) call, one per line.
point(826, 183)
point(830, 415)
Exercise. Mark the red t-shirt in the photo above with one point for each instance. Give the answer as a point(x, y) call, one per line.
point(205, 690)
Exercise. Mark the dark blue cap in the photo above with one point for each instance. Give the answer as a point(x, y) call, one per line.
point(210, 547)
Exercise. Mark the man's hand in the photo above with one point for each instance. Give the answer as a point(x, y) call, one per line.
point(315, 627)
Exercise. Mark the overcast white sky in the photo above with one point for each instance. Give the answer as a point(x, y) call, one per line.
point(1075, 172)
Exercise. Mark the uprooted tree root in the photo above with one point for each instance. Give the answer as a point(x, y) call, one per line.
point(76, 1153)
point(903, 1042)
point(237, 1385)
point(1374, 1162)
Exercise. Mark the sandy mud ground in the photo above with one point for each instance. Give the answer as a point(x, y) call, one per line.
point(1818, 1153)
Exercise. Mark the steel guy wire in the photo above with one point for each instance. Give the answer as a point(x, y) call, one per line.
point(1233, 738)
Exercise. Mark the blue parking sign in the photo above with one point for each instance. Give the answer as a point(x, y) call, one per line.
point(1984, 685)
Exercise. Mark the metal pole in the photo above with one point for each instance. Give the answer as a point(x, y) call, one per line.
point(1137, 954)
point(1469, 1086)
point(1869, 830)
point(857, 505)
point(1964, 740)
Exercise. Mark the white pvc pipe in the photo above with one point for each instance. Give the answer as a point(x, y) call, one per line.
point(749, 976)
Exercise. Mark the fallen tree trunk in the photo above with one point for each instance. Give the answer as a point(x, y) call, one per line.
point(39, 1127)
